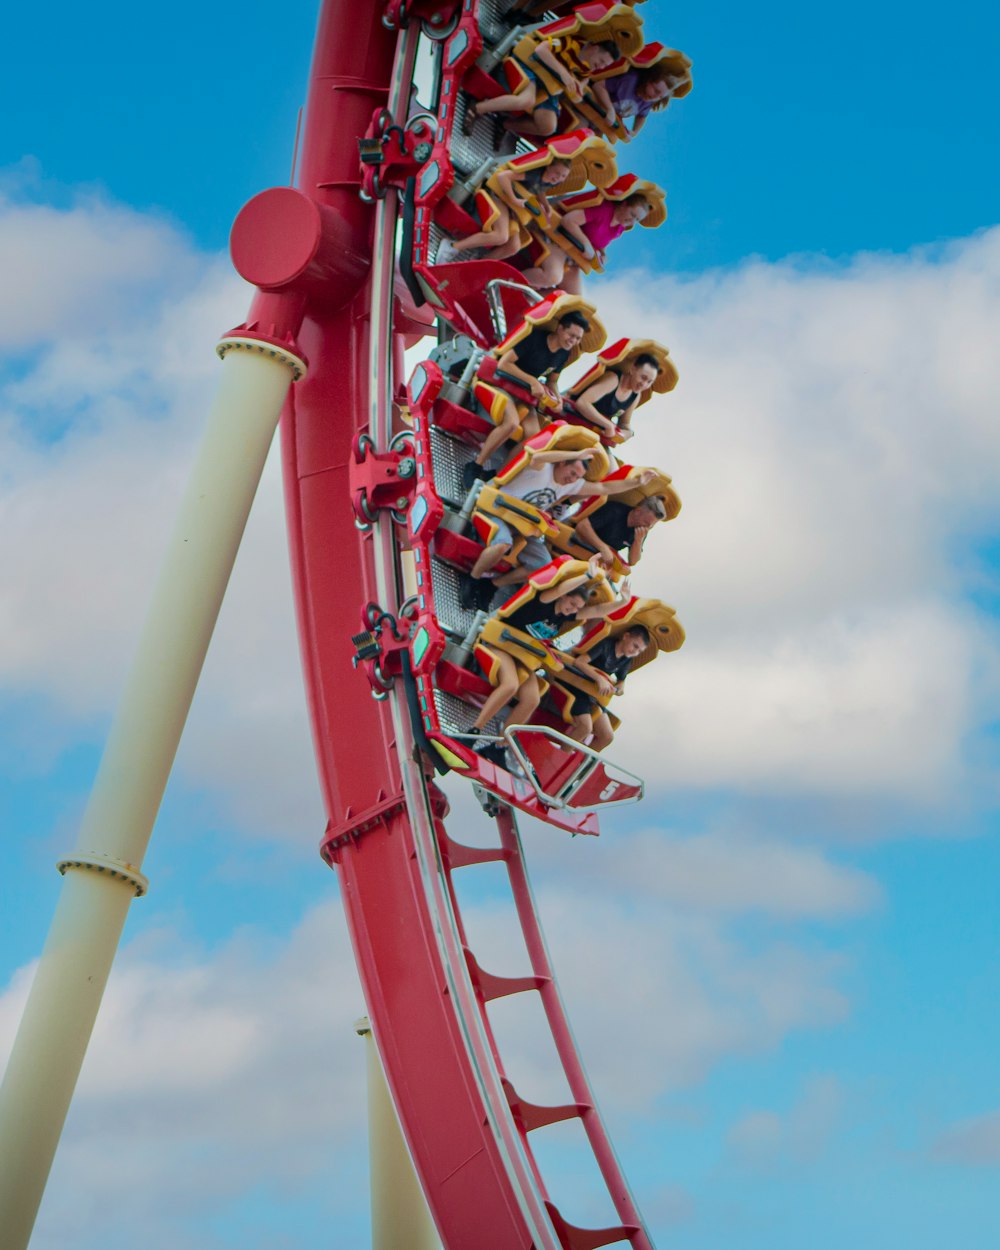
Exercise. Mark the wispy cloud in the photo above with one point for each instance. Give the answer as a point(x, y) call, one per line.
point(974, 1142)
point(763, 1139)
point(210, 1074)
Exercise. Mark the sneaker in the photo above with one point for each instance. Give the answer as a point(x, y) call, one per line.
point(468, 594)
point(513, 764)
point(447, 252)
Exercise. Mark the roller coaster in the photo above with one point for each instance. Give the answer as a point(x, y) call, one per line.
point(457, 174)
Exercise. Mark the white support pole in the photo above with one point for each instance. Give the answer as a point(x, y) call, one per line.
point(400, 1216)
point(102, 875)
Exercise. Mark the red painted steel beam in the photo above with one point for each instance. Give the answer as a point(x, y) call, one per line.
point(323, 268)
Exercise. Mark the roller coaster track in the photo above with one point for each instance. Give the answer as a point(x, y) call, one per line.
point(467, 1128)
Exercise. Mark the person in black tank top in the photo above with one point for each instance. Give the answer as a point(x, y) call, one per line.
point(612, 400)
point(541, 618)
point(607, 664)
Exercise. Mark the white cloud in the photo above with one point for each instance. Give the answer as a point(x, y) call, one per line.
point(974, 1142)
point(833, 439)
point(97, 432)
point(84, 269)
point(879, 702)
point(657, 996)
point(766, 1140)
point(729, 873)
point(728, 870)
point(211, 1075)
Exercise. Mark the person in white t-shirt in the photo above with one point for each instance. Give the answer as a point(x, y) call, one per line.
point(547, 482)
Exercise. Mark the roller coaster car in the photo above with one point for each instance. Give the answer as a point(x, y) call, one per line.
point(600, 22)
point(561, 773)
point(591, 160)
point(528, 652)
point(493, 388)
point(567, 776)
point(665, 633)
point(541, 8)
point(564, 784)
point(588, 112)
point(524, 519)
point(620, 356)
point(621, 189)
point(566, 540)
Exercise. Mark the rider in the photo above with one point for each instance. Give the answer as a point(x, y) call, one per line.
point(543, 616)
point(540, 110)
point(550, 478)
point(534, 363)
point(501, 235)
point(607, 664)
point(612, 400)
point(637, 92)
point(602, 223)
point(616, 527)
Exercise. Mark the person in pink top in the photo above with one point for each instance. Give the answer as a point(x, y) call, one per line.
point(601, 225)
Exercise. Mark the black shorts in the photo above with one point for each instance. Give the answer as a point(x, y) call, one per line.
point(584, 704)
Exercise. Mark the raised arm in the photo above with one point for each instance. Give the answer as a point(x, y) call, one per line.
point(635, 550)
point(594, 610)
point(638, 124)
point(555, 457)
point(594, 573)
point(622, 484)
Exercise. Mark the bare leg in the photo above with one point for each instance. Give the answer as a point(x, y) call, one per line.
point(582, 727)
point(497, 236)
point(603, 733)
point(528, 698)
point(489, 558)
point(531, 424)
point(506, 689)
point(519, 573)
point(510, 248)
point(541, 122)
point(549, 273)
point(522, 101)
point(572, 280)
point(500, 434)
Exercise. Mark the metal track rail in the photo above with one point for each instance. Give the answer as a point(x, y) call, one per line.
point(468, 985)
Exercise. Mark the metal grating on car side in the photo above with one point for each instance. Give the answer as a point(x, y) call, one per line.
point(452, 617)
point(449, 456)
point(456, 716)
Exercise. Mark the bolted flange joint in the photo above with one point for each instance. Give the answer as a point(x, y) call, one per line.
point(110, 866)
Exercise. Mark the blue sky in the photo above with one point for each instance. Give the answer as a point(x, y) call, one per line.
point(800, 923)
